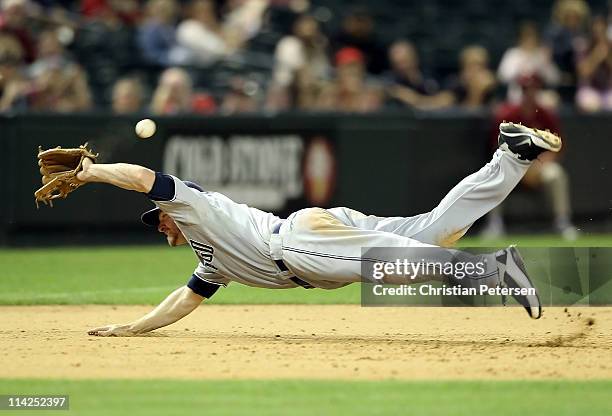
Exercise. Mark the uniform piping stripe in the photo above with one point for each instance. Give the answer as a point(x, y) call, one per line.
point(331, 256)
point(351, 258)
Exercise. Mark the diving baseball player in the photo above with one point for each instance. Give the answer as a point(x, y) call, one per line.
point(315, 247)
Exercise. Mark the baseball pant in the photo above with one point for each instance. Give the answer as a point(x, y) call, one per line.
point(326, 244)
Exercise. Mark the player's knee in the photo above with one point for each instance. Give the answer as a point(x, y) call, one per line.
point(449, 239)
point(314, 219)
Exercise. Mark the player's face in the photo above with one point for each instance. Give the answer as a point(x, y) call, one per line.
point(167, 226)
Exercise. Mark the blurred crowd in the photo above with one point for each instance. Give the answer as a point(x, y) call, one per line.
point(232, 56)
point(167, 57)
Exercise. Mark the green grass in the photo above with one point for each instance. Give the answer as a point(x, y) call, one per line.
point(290, 397)
point(126, 275)
point(145, 275)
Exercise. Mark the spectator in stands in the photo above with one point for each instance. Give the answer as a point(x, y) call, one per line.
point(565, 32)
point(128, 96)
point(58, 83)
point(50, 52)
point(127, 12)
point(351, 90)
point(595, 70)
point(201, 36)
point(105, 44)
point(300, 58)
point(409, 86)
point(156, 35)
point(305, 49)
point(243, 20)
point(14, 21)
point(174, 95)
point(529, 57)
point(474, 87)
point(12, 85)
point(242, 97)
point(60, 88)
point(548, 175)
point(307, 89)
point(358, 32)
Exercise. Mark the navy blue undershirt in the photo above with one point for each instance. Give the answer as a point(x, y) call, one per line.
point(201, 287)
point(163, 188)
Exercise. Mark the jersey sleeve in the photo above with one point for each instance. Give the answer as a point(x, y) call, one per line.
point(204, 274)
point(172, 196)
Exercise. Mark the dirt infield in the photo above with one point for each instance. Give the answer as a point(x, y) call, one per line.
point(342, 342)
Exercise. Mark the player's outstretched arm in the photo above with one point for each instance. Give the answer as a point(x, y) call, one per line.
point(177, 305)
point(123, 175)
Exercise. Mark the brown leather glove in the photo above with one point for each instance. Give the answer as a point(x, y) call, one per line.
point(59, 168)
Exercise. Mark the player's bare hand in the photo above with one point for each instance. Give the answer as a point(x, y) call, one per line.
point(112, 331)
point(84, 175)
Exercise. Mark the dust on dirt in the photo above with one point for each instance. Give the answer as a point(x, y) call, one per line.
point(310, 341)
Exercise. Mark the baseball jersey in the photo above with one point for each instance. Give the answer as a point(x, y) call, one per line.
point(231, 240)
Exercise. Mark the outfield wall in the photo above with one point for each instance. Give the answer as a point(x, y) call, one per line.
point(391, 164)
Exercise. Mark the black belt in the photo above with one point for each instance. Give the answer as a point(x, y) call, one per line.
point(283, 267)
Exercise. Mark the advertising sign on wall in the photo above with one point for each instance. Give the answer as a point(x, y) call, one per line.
point(264, 171)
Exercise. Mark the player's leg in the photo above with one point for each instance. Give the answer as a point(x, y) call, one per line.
point(318, 247)
point(475, 195)
point(470, 199)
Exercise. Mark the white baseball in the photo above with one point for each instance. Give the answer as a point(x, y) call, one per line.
point(145, 128)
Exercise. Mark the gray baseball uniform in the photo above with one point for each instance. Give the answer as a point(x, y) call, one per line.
point(323, 247)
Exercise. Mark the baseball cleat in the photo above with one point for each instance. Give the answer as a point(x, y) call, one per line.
point(513, 274)
point(525, 142)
